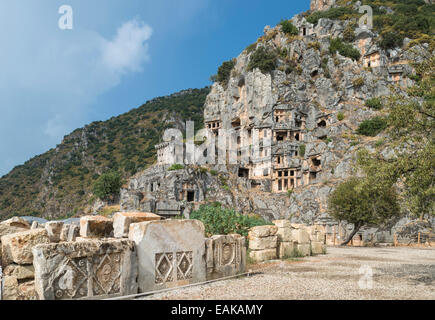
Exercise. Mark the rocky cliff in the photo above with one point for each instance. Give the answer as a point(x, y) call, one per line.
point(325, 85)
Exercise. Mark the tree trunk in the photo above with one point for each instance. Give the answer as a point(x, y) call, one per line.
point(355, 230)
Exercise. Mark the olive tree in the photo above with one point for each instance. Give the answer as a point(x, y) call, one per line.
point(360, 202)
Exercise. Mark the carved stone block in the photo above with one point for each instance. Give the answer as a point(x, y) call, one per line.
point(170, 253)
point(96, 227)
point(91, 269)
point(17, 247)
point(54, 228)
point(122, 221)
point(226, 256)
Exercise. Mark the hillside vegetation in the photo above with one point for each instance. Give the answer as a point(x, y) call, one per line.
point(59, 183)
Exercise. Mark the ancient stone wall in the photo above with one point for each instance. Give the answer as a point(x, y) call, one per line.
point(108, 257)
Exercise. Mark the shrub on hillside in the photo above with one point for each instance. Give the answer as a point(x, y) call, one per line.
point(345, 49)
point(107, 185)
point(372, 127)
point(264, 59)
point(333, 13)
point(374, 103)
point(176, 166)
point(224, 72)
point(391, 40)
point(219, 220)
point(289, 28)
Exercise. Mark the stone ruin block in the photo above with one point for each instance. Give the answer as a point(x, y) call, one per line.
point(304, 249)
point(92, 269)
point(286, 249)
point(225, 255)
point(96, 227)
point(171, 253)
point(122, 221)
point(317, 247)
point(54, 229)
point(284, 230)
point(20, 272)
point(301, 236)
point(263, 255)
point(73, 233)
point(263, 231)
point(17, 247)
point(16, 289)
point(13, 225)
point(263, 243)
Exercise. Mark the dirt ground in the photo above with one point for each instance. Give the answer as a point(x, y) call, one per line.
point(343, 273)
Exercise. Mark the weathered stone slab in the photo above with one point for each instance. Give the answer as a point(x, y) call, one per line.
point(20, 272)
point(73, 233)
point(91, 269)
point(263, 243)
point(64, 232)
point(284, 234)
point(286, 249)
point(282, 223)
point(122, 221)
point(300, 236)
point(17, 247)
point(54, 229)
point(10, 288)
point(13, 225)
point(26, 291)
point(262, 231)
point(317, 247)
point(263, 255)
point(171, 253)
point(304, 249)
point(35, 225)
point(96, 227)
point(226, 256)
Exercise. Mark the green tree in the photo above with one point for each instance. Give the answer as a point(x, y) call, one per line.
point(289, 28)
point(411, 144)
point(263, 59)
point(361, 201)
point(107, 185)
point(224, 72)
point(219, 220)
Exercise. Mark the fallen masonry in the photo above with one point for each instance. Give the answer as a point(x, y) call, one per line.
point(52, 262)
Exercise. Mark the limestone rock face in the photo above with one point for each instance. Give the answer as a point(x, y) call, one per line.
point(17, 247)
point(321, 5)
point(96, 227)
point(122, 221)
point(90, 269)
point(170, 253)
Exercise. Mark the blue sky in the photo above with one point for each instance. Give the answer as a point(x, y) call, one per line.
point(119, 54)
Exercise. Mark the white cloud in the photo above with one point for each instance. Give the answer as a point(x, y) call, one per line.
point(50, 77)
point(128, 50)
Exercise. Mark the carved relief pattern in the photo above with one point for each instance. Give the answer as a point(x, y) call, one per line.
point(88, 276)
point(227, 253)
point(107, 274)
point(184, 265)
point(164, 267)
point(170, 265)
